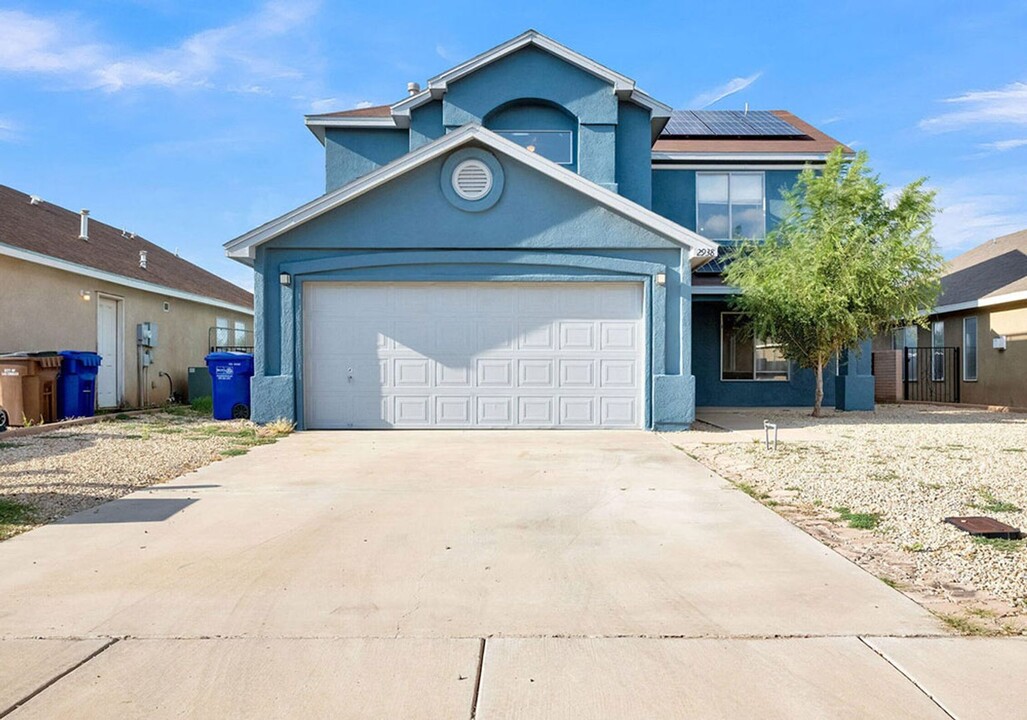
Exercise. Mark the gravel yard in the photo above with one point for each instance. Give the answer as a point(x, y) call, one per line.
point(48, 476)
point(893, 475)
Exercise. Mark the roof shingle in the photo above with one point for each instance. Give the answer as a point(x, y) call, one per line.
point(998, 267)
point(52, 230)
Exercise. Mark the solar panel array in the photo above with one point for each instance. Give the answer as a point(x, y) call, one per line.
point(729, 123)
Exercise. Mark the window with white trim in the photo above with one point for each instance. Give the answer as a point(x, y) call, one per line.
point(240, 334)
point(937, 353)
point(555, 145)
point(970, 348)
point(730, 206)
point(743, 357)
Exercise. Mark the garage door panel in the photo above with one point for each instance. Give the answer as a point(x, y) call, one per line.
point(577, 374)
point(473, 355)
point(495, 373)
point(535, 373)
point(495, 411)
point(536, 411)
point(452, 372)
point(576, 411)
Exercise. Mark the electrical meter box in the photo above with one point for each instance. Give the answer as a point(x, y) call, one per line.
point(146, 334)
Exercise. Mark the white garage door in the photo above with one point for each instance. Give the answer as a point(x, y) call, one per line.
point(472, 355)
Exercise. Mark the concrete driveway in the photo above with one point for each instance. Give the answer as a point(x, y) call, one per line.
point(451, 575)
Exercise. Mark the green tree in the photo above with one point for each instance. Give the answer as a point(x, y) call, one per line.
point(845, 263)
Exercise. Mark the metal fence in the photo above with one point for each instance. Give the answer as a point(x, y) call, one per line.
point(228, 339)
point(931, 374)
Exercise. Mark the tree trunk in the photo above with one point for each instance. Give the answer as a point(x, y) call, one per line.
point(818, 396)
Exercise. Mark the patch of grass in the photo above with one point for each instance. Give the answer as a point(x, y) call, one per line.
point(990, 503)
point(982, 612)
point(964, 626)
point(793, 488)
point(884, 477)
point(931, 485)
point(893, 584)
point(1016, 450)
point(203, 405)
point(13, 515)
point(168, 430)
point(10, 445)
point(234, 452)
point(862, 521)
point(1000, 544)
point(914, 547)
point(752, 491)
point(122, 416)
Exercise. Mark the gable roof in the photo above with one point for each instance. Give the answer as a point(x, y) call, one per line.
point(398, 115)
point(47, 234)
point(989, 274)
point(812, 142)
point(243, 247)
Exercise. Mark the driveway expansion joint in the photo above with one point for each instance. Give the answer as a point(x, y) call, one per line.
point(4, 712)
point(908, 677)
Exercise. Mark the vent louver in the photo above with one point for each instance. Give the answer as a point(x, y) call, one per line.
point(472, 179)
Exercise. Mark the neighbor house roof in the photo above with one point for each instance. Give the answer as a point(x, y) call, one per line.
point(811, 142)
point(48, 234)
point(989, 274)
point(243, 247)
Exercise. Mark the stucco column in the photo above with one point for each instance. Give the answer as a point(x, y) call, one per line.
point(854, 386)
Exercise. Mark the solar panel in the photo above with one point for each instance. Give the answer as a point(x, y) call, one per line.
point(729, 123)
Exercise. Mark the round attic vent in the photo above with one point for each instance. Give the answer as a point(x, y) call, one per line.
point(472, 179)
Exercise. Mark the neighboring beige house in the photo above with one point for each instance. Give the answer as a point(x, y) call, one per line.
point(68, 282)
point(982, 311)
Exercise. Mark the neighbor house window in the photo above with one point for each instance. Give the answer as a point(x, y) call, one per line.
point(743, 357)
point(555, 145)
point(970, 348)
point(937, 351)
point(902, 338)
point(223, 329)
point(240, 333)
point(730, 206)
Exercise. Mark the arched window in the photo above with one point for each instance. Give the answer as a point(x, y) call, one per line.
point(538, 126)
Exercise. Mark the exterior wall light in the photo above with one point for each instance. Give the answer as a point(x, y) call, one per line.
point(661, 278)
point(85, 295)
point(285, 278)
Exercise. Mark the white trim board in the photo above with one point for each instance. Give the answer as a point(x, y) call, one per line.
point(1012, 297)
point(86, 271)
point(243, 247)
point(696, 155)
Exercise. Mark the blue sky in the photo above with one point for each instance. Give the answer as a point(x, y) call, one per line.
point(182, 121)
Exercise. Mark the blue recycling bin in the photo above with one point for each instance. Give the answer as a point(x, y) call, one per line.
point(230, 374)
point(76, 384)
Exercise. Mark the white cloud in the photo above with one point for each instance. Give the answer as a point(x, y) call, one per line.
point(715, 95)
point(9, 130)
point(446, 53)
point(1004, 106)
point(975, 209)
point(1004, 145)
point(246, 51)
point(364, 104)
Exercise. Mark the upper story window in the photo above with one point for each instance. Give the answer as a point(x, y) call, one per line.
point(730, 206)
point(555, 145)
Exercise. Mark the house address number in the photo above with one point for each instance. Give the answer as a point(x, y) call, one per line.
point(706, 252)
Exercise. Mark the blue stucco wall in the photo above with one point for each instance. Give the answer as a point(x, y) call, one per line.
point(711, 391)
point(426, 124)
point(633, 146)
point(539, 230)
point(351, 153)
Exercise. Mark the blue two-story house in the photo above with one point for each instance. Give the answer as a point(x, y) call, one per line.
point(530, 241)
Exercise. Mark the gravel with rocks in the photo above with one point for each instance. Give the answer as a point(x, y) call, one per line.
point(911, 466)
point(48, 476)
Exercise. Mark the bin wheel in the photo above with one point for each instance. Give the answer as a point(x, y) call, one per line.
point(4, 419)
point(241, 411)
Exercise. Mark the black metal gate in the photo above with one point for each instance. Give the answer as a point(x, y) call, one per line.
point(931, 374)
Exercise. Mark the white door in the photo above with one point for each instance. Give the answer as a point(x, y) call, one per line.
point(107, 330)
point(473, 355)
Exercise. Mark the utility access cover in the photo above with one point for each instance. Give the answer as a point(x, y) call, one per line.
point(985, 527)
